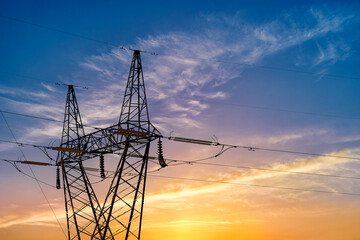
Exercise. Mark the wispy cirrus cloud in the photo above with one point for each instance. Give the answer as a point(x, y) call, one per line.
point(295, 135)
point(331, 53)
point(282, 175)
point(18, 92)
point(192, 65)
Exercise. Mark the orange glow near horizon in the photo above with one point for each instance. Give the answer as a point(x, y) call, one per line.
point(182, 209)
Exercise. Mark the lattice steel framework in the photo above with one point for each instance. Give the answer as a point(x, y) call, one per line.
point(120, 216)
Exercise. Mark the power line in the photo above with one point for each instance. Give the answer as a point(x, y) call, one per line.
point(31, 116)
point(256, 185)
point(247, 147)
point(250, 148)
point(54, 29)
point(191, 162)
point(25, 144)
point(173, 55)
point(245, 167)
point(225, 145)
point(262, 169)
point(264, 186)
point(214, 102)
point(70, 33)
point(13, 163)
point(43, 118)
point(260, 66)
point(37, 181)
point(282, 110)
point(27, 162)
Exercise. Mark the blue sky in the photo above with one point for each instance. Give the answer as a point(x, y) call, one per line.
point(247, 72)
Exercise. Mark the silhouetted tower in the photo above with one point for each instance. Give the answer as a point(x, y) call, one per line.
point(127, 189)
point(81, 203)
point(120, 216)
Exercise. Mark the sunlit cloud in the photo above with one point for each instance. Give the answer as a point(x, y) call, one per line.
point(191, 223)
point(172, 197)
point(18, 92)
point(48, 87)
point(291, 136)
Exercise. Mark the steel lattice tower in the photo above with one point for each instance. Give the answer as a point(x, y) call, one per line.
point(120, 216)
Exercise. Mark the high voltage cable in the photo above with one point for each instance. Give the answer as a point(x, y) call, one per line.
point(31, 116)
point(261, 169)
point(18, 161)
point(214, 102)
point(53, 29)
point(251, 185)
point(37, 181)
point(173, 55)
point(250, 148)
point(255, 185)
point(260, 66)
point(28, 144)
point(226, 145)
point(282, 110)
point(184, 162)
point(43, 118)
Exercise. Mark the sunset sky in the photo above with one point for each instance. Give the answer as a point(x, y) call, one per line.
point(267, 74)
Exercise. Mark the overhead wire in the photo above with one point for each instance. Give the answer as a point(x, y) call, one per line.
point(208, 101)
point(34, 176)
point(25, 144)
point(191, 162)
point(53, 29)
point(261, 169)
point(251, 148)
point(173, 55)
point(255, 185)
point(245, 184)
point(44, 118)
point(13, 163)
point(111, 173)
point(282, 110)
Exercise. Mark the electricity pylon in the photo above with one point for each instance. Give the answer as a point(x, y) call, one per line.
point(120, 216)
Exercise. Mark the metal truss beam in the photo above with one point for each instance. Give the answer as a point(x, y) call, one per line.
point(120, 216)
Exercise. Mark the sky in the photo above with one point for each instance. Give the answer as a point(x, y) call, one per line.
point(274, 75)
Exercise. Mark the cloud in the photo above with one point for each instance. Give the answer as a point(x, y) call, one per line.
point(29, 218)
point(278, 175)
point(48, 87)
point(170, 196)
point(192, 65)
point(191, 223)
point(292, 136)
point(18, 92)
point(331, 53)
point(167, 123)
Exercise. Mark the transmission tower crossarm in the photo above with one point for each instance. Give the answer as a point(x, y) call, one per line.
point(110, 140)
point(61, 149)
